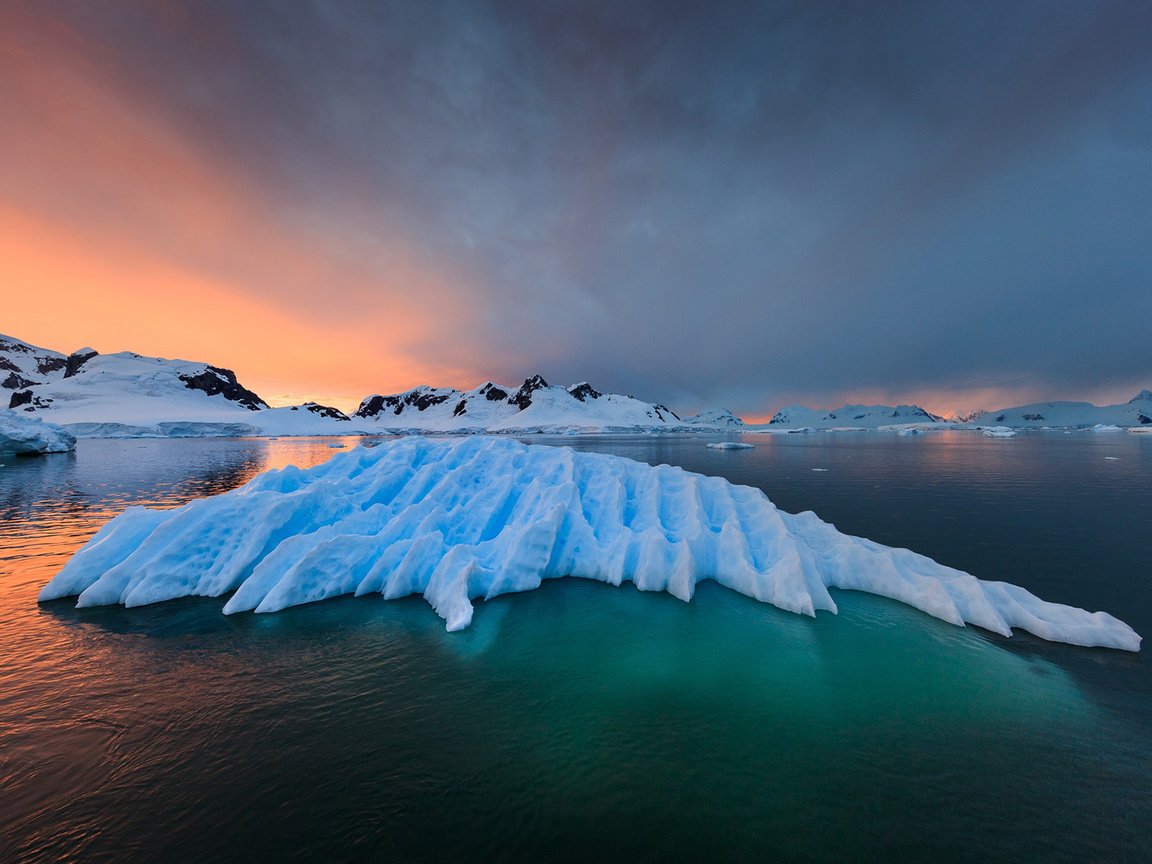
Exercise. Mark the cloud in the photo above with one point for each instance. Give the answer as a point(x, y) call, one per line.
point(743, 203)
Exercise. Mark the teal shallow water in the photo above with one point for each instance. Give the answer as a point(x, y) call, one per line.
point(582, 721)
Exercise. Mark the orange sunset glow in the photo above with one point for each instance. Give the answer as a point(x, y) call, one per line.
point(133, 234)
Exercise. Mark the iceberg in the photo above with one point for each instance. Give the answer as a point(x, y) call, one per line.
point(729, 445)
point(462, 519)
point(21, 433)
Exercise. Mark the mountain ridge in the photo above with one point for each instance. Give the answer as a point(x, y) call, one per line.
point(127, 394)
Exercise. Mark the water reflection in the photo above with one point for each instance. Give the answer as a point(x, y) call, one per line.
point(592, 720)
point(50, 506)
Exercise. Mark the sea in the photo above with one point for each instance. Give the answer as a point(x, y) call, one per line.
point(582, 722)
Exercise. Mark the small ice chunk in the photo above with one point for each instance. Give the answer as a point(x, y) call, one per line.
point(729, 445)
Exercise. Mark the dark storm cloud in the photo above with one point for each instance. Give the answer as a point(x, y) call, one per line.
point(707, 202)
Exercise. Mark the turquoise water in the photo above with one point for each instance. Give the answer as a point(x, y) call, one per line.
point(584, 722)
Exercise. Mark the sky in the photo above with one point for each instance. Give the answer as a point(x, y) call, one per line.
point(744, 205)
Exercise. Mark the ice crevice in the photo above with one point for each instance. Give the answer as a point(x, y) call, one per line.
point(456, 520)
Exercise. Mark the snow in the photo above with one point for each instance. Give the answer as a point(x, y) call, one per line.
point(130, 395)
point(459, 519)
point(23, 433)
point(127, 395)
point(533, 407)
point(729, 445)
point(1136, 412)
point(719, 418)
point(23, 364)
point(851, 417)
point(134, 390)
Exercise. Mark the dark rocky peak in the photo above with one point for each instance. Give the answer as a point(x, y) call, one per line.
point(217, 381)
point(77, 359)
point(664, 412)
point(16, 381)
point(15, 346)
point(24, 359)
point(493, 393)
point(370, 407)
point(322, 411)
point(584, 391)
point(523, 397)
point(969, 416)
point(29, 400)
point(47, 365)
point(423, 398)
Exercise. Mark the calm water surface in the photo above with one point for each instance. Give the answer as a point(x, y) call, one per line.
point(583, 722)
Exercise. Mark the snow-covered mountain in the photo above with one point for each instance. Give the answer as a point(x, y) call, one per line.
point(716, 418)
point(534, 406)
point(125, 387)
point(130, 395)
point(1137, 411)
point(851, 416)
point(22, 365)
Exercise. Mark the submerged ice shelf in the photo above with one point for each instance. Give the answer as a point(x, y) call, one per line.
point(456, 520)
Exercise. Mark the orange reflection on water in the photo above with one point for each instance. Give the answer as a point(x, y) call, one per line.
point(57, 662)
point(50, 506)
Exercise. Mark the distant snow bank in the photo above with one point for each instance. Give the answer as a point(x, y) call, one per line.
point(460, 519)
point(22, 433)
point(1135, 413)
point(170, 429)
